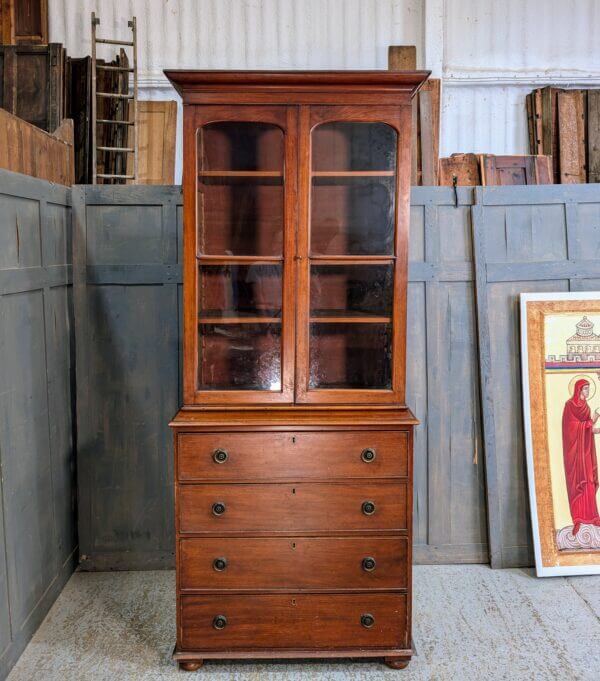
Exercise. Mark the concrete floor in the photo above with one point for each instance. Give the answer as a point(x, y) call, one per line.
point(470, 623)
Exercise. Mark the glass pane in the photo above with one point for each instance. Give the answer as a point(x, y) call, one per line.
point(354, 356)
point(351, 290)
point(239, 357)
point(353, 189)
point(239, 291)
point(240, 189)
point(345, 145)
point(352, 216)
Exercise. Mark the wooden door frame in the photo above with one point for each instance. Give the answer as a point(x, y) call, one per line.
point(399, 118)
point(284, 117)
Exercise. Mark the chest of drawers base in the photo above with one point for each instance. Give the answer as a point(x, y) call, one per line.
point(293, 539)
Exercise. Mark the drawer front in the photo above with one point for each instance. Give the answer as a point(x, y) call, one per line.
point(292, 456)
point(293, 621)
point(294, 563)
point(289, 508)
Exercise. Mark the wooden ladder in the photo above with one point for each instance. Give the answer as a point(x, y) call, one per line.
point(133, 97)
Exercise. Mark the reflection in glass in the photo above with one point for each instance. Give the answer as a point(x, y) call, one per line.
point(352, 216)
point(350, 356)
point(239, 357)
point(239, 291)
point(347, 145)
point(240, 146)
point(240, 189)
point(351, 290)
point(353, 189)
point(240, 217)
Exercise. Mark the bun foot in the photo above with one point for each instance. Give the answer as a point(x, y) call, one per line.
point(397, 662)
point(191, 665)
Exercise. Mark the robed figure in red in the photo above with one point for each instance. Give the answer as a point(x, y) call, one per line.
point(579, 450)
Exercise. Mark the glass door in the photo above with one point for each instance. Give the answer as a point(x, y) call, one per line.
point(351, 329)
point(243, 305)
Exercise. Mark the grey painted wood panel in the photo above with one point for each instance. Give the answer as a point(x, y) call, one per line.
point(127, 314)
point(416, 391)
point(527, 239)
point(455, 492)
point(25, 445)
point(5, 630)
point(20, 239)
point(60, 377)
point(37, 517)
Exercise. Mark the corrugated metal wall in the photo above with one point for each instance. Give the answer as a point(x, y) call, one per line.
point(242, 34)
point(496, 52)
point(490, 54)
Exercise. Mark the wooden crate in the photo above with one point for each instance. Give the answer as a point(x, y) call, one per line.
point(515, 170)
point(463, 167)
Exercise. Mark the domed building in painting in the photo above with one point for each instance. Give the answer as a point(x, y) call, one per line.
point(584, 342)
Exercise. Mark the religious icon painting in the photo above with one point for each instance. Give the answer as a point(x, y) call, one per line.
point(560, 352)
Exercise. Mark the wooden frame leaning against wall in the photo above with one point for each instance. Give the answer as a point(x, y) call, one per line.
point(561, 369)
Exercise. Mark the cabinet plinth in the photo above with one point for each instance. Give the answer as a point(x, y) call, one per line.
point(293, 448)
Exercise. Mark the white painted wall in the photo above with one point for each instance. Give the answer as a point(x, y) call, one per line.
point(490, 53)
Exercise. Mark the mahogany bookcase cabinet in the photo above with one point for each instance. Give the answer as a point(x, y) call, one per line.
point(294, 445)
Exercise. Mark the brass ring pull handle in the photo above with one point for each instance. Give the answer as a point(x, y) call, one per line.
point(368, 507)
point(368, 564)
point(220, 456)
point(367, 620)
point(220, 622)
point(219, 564)
point(218, 508)
point(368, 455)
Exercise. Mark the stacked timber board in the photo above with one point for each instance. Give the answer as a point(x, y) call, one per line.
point(566, 125)
point(425, 147)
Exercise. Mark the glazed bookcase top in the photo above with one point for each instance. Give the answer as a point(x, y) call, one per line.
point(296, 190)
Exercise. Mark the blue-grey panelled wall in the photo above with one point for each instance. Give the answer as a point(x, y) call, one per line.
point(527, 239)
point(442, 380)
point(127, 292)
point(127, 311)
point(38, 531)
point(470, 254)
